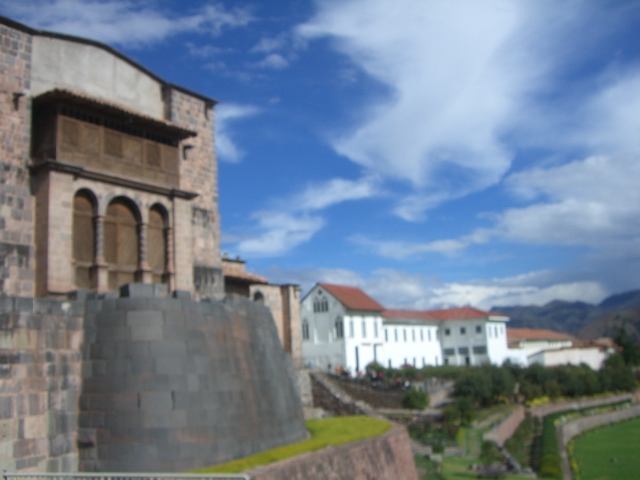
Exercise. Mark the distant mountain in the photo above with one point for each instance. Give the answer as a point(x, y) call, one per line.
point(610, 323)
point(568, 317)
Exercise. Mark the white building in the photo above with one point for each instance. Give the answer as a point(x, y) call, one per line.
point(592, 356)
point(524, 342)
point(343, 326)
point(410, 338)
point(472, 337)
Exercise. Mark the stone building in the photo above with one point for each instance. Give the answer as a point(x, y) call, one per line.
point(109, 172)
point(283, 301)
point(118, 350)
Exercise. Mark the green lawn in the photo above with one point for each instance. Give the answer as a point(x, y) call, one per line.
point(611, 452)
point(325, 432)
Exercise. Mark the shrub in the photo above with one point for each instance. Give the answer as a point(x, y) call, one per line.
point(490, 454)
point(415, 399)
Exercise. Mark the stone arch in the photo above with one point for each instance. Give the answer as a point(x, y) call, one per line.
point(84, 239)
point(121, 241)
point(157, 243)
point(258, 297)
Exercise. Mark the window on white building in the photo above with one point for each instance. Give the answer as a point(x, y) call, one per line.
point(429, 334)
point(351, 332)
point(478, 328)
point(364, 329)
point(320, 304)
point(413, 335)
point(339, 328)
point(305, 330)
point(463, 331)
point(404, 336)
point(375, 329)
point(447, 331)
point(386, 335)
point(421, 335)
point(395, 334)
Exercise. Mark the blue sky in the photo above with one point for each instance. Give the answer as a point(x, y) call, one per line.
point(434, 153)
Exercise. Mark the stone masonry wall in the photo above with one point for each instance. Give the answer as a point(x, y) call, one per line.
point(199, 173)
point(16, 203)
point(578, 404)
point(40, 376)
point(388, 456)
point(173, 384)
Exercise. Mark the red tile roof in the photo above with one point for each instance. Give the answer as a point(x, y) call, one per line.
point(407, 314)
point(352, 297)
point(462, 313)
point(519, 334)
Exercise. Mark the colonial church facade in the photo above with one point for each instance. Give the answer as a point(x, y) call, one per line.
point(109, 172)
point(344, 327)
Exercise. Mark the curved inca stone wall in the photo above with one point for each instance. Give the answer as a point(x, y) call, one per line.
point(171, 384)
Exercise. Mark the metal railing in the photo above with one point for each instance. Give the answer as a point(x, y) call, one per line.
point(123, 476)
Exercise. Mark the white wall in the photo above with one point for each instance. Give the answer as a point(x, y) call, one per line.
point(497, 345)
point(410, 343)
point(476, 341)
point(323, 348)
point(91, 70)
point(592, 356)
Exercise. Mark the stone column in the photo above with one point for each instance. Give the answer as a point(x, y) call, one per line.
point(144, 273)
point(169, 275)
point(100, 269)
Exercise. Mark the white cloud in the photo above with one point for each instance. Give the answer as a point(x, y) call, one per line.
point(397, 289)
point(274, 61)
point(278, 233)
point(268, 44)
point(454, 84)
point(337, 190)
point(226, 114)
point(121, 22)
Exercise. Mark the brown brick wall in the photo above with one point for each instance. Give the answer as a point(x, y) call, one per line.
point(388, 456)
point(16, 205)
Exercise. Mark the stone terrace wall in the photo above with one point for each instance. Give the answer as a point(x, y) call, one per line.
point(579, 404)
point(173, 384)
point(575, 427)
point(40, 375)
point(388, 456)
point(329, 397)
point(503, 431)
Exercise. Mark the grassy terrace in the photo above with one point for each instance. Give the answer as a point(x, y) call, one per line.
point(611, 452)
point(324, 433)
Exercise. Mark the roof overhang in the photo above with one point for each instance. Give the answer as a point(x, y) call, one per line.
point(113, 111)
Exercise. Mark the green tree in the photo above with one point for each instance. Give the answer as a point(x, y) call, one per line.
point(630, 349)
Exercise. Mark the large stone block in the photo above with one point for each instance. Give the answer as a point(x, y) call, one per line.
point(198, 374)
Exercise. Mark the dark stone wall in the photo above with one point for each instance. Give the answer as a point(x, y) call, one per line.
point(172, 384)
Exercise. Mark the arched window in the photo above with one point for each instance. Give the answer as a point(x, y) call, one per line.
point(121, 242)
point(320, 304)
point(84, 239)
point(339, 328)
point(258, 297)
point(305, 330)
point(157, 244)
